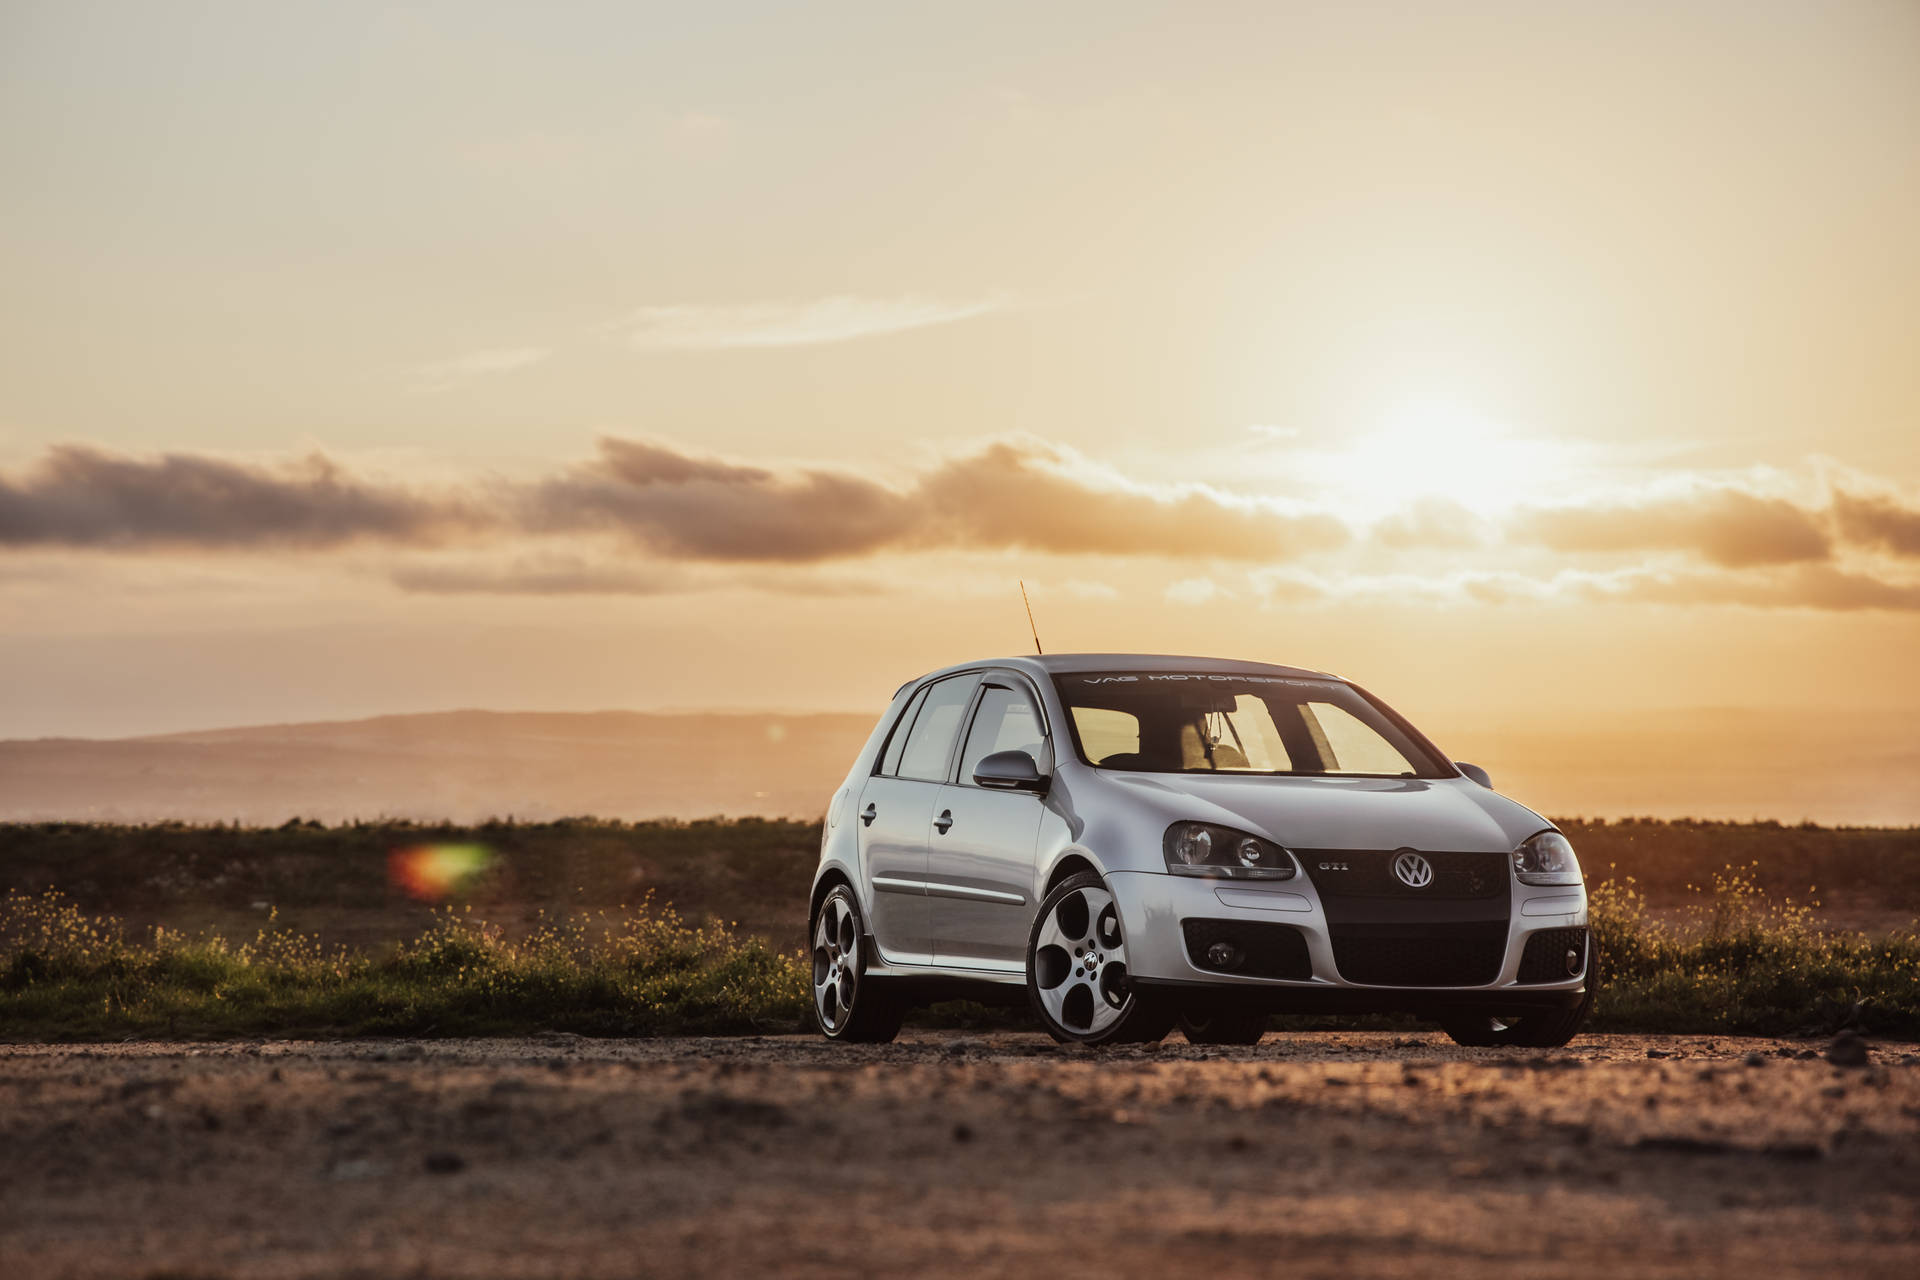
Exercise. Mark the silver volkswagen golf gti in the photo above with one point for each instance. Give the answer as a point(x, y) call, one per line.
point(1144, 842)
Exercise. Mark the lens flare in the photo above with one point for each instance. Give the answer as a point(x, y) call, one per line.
point(431, 872)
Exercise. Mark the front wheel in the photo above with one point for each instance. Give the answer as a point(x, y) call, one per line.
point(846, 1005)
point(1546, 1029)
point(1077, 978)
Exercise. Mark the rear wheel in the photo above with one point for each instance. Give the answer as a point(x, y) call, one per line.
point(1077, 978)
point(846, 1005)
point(1223, 1026)
point(1545, 1029)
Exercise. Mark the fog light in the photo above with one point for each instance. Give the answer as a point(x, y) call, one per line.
point(1223, 955)
point(1573, 961)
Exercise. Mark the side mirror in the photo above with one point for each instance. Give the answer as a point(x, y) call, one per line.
point(1475, 772)
point(1010, 771)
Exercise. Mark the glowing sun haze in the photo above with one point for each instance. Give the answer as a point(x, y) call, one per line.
point(1535, 365)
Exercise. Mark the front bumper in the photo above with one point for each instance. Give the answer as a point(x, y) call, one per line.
point(1153, 907)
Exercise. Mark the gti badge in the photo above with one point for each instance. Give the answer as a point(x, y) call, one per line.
point(1333, 866)
point(1412, 870)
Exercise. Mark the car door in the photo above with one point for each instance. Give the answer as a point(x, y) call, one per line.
point(894, 810)
point(980, 863)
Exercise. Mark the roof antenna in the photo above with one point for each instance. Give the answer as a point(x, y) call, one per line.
point(1030, 626)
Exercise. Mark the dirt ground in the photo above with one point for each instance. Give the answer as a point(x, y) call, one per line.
point(1347, 1155)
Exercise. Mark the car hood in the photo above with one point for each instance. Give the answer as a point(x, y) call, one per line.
point(1440, 814)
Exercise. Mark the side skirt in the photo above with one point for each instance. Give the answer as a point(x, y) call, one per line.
point(926, 984)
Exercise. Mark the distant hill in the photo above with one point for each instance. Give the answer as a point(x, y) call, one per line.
point(467, 766)
point(1838, 767)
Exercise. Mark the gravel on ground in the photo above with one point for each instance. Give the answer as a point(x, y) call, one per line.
point(1351, 1155)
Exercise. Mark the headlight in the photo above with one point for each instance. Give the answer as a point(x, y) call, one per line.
point(1546, 859)
point(1202, 849)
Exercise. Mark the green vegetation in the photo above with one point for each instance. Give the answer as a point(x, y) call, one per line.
point(337, 882)
point(65, 975)
point(136, 940)
point(1744, 964)
point(1667, 858)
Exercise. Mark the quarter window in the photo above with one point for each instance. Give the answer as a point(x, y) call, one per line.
point(890, 759)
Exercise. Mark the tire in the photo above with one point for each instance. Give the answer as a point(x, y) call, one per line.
point(1154, 1018)
point(1223, 1026)
point(1080, 1002)
point(846, 1006)
point(1547, 1029)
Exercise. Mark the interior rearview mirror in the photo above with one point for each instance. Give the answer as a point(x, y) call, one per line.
point(1010, 771)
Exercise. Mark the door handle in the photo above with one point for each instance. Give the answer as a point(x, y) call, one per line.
point(944, 821)
point(868, 814)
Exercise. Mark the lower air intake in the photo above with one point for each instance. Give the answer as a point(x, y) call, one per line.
point(1465, 955)
point(1545, 959)
point(1252, 949)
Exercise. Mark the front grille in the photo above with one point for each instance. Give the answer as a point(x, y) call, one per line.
point(1435, 955)
point(1545, 959)
point(1265, 950)
point(1368, 873)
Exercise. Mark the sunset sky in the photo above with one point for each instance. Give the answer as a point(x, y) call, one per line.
point(1529, 363)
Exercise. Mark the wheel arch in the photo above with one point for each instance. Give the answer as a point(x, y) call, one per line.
point(1070, 864)
point(830, 875)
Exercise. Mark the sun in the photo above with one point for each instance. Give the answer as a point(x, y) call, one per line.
point(1434, 449)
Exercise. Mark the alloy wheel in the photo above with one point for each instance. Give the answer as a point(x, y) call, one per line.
point(836, 962)
point(1080, 963)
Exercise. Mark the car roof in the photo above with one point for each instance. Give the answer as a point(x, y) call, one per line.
point(1061, 663)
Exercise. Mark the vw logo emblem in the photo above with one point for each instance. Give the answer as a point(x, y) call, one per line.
point(1412, 870)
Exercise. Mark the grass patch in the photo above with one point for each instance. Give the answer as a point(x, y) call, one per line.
point(1746, 963)
point(1741, 962)
point(66, 975)
point(336, 881)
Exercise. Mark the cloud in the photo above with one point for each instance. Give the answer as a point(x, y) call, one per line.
point(1807, 586)
point(81, 497)
point(793, 324)
point(566, 575)
point(676, 504)
point(1007, 496)
point(1878, 521)
point(442, 374)
point(1087, 589)
point(1192, 591)
point(644, 517)
point(1031, 496)
point(1811, 586)
point(1728, 527)
point(538, 578)
point(1292, 587)
point(1431, 524)
point(706, 509)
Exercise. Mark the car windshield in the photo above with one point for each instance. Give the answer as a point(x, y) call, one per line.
point(1181, 722)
